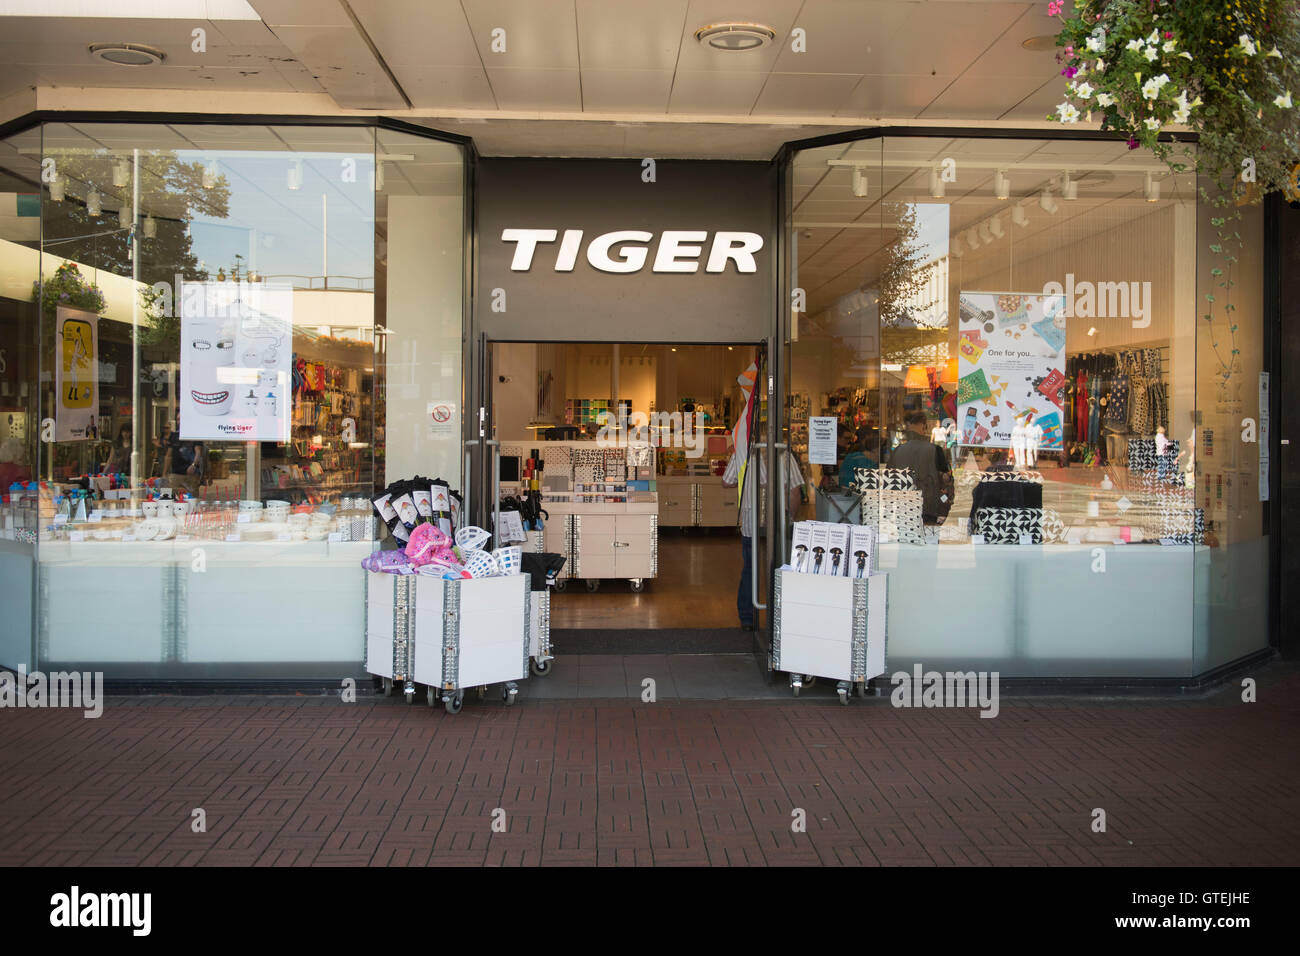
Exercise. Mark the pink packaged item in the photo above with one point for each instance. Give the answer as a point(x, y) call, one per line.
point(388, 562)
point(426, 540)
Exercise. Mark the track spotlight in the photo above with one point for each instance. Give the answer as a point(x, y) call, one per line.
point(121, 173)
point(1018, 214)
point(1152, 189)
point(57, 188)
point(1047, 203)
point(150, 227)
point(94, 205)
point(995, 227)
point(937, 186)
point(1069, 187)
point(860, 186)
point(1001, 185)
point(210, 175)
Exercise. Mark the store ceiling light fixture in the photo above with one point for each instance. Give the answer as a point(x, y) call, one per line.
point(1047, 203)
point(1152, 189)
point(1001, 185)
point(937, 187)
point(1069, 187)
point(57, 188)
point(127, 54)
point(735, 37)
point(860, 185)
point(121, 173)
point(150, 227)
point(94, 205)
point(1018, 215)
point(124, 216)
point(295, 175)
point(210, 175)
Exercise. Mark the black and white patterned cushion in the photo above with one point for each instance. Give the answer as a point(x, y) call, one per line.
point(887, 479)
point(1006, 525)
point(895, 512)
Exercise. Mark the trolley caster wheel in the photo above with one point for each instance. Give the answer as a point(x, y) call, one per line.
point(809, 680)
point(409, 692)
point(796, 685)
point(388, 687)
point(509, 693)
point(637, 585)
point(861, 688)
point(431, 695)
point(561, 584)
point(454, 704)
point(593, 585)
point(540, 668)
point(842, 689)
point(482, 692)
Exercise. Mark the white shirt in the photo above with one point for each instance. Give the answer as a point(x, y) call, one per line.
point(793, 479)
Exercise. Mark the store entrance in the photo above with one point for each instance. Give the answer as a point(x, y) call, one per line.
point(615, 455)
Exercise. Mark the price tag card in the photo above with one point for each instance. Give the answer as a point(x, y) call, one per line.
point(233, 537)
point(244, 518)
point(60, 519)
point(1072, 541)
point(182, 537)
point(77, 536)
point(1026, 539)
point(336, 536)
point(96, 516)
point(977, 539)
point(1119, 541)
point(283, 536)
point(883, 538)
point(128, 537)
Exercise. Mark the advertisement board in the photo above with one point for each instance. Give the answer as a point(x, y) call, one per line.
point(1011, 363)
point(236, 357)
point(76, 373)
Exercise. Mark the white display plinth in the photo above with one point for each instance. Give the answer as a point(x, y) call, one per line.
point(828, 626)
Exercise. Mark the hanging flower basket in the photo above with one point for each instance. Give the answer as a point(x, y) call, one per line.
point(1228, 70)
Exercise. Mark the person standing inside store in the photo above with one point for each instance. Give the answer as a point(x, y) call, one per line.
point(861, 455)
point(187, 462)
point(161, 448)
point(929, 463)
point(792, 478)
point(119, 461)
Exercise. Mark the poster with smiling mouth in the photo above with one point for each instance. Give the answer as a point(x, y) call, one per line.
point(236, 355)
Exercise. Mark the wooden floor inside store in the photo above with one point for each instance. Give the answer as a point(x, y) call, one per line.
point(699, 573)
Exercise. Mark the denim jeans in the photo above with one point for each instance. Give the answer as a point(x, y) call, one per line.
point(744, 596)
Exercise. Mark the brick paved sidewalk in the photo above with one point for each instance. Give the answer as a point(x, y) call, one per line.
point(299, 781)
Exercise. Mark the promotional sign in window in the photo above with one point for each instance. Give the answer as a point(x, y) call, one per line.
point(1010, 365)
point(76, 375)
point(236, 355)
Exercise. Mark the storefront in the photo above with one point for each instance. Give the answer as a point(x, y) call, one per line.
point(411, 308)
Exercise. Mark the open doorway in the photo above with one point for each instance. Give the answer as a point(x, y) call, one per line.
point(624, 448)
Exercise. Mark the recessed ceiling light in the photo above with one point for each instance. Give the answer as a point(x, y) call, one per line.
point(735, 37)
point(1040, 44)
point(127, 54)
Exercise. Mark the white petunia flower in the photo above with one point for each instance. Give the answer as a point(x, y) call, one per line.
point(1154, 38)
point(1247, 44)
point(1185, 55)
point(1105, 99)
point(1152, 123)
point(1084, 90)
point(1150, 53)
point(1275, 52)
point(1151, 88)
point(1283, 101)
point(1096, 44)
point(1134, 44)
point(1099, 66)
point(1181, 117)
point(1168, 46)
point(1068, 113)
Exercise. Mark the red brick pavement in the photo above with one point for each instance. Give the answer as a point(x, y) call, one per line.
point(309, 781)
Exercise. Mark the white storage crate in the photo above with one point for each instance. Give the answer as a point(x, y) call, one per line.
point(449, 635)
point(829, 626)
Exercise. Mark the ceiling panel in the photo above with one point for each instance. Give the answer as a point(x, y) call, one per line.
point(420, 33)
point(447, 87)
point(326, 13)
point(718, 93)
point(945, 37)
point(536, 89)
point(630, 36)
point(343, 62)
point(903, 96)
point(637, 90)
point(972, 97)
point(844, 36)
point(539, 34)
point(804, 93)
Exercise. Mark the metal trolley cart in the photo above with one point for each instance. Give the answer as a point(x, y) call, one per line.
point(454, 634)
point(827, 626)
point(539, 632)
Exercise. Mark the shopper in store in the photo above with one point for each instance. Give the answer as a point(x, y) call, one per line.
point(120, 459)
point(793, 480)
point(187, 462)
point(861, 455)
point(929, 463)
point(13, 463)
point(161, 447)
